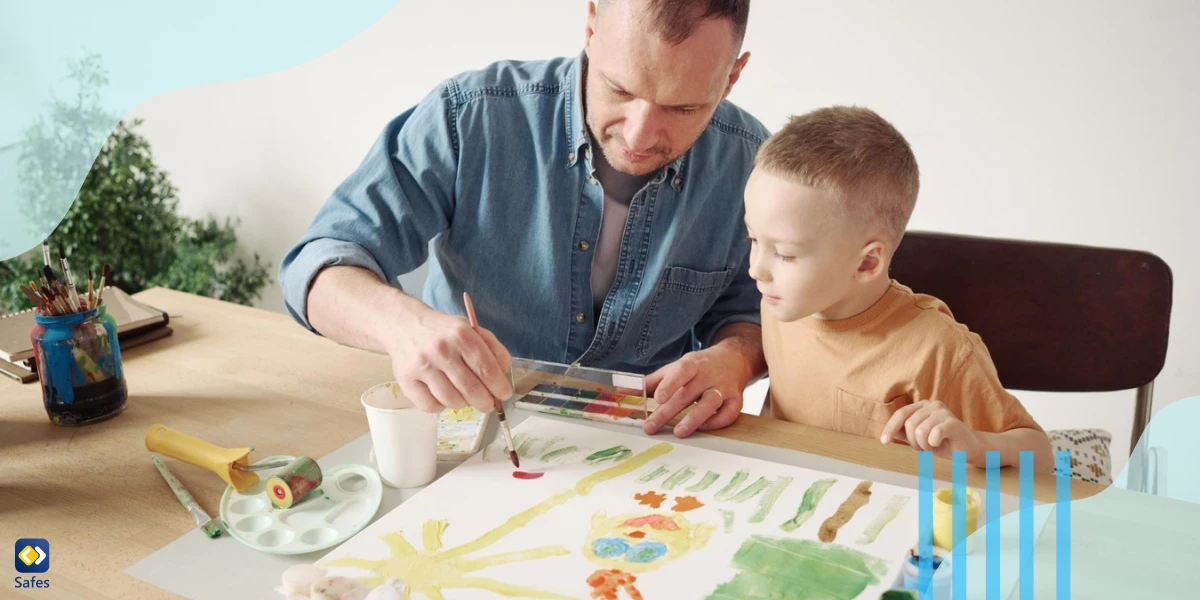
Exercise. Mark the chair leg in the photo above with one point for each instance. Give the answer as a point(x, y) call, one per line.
point(1139, 461)
point(1141, 413)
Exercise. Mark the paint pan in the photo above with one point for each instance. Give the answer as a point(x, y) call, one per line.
point(290, 486)
point(581, 392)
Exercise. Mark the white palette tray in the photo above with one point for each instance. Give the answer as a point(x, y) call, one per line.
point(349, 498)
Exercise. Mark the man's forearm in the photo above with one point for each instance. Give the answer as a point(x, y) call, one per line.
point(349, 305)
point(745, 341)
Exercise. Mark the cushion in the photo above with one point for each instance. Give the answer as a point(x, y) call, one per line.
point(1090, 460)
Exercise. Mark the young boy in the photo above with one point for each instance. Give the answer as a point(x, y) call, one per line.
point(848, 348)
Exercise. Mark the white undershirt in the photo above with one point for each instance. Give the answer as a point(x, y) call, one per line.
point(619, 189)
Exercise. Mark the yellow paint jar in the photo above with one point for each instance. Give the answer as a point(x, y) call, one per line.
point(943, 518)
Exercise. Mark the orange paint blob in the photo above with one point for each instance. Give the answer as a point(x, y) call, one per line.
point(686, 503)
point(651, 499)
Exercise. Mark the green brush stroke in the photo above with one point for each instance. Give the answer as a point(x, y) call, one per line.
point(769, 499)
point(812, 497)
point(561, 452)
point(552, 442)
point(615, 454)
point(526, 447)
point(727, 516)
point(752, 490)
point(889, 512)
point(710, 478)
point(899, 595)
point(655, 474)
point(679, 477)
point(733, 484)
point(516, 443)
point(798, 569)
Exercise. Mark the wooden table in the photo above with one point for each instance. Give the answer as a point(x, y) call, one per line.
point(238, 376)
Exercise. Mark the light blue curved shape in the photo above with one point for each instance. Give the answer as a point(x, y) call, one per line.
point(148, 47)
point(1168, 453)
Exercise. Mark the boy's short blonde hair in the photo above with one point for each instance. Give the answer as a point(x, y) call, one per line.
point(856, 155)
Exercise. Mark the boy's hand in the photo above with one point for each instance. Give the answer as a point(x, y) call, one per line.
point(929, 425)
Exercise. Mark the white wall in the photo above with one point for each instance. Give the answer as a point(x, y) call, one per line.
point(1064, 121)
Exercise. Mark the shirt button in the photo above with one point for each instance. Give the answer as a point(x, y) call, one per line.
point(593, 180)
point(678, 182)
point(584, 245)
point(588, 153)
point(580, 317)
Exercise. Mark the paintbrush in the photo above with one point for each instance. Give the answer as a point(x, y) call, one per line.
point(512, 451)
point(46, 251)
point(90, 297)
point(104, 273)
point(203, 521)
point(72, 291)
point(52, 299)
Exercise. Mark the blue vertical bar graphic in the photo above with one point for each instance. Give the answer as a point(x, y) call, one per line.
point(958, 555)
point(993, 525)
point(1062, 527)
point(1026, 568)
point(925, 521)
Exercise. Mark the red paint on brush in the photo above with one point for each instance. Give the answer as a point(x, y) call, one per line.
point(512, 454)
point(527, 474)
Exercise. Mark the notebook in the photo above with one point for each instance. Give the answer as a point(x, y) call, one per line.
point(132, 318)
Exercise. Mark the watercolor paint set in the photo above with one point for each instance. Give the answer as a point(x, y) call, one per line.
point(581, 392)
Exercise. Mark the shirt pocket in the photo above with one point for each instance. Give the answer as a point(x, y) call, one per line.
point(682, 298)
point(860, 416)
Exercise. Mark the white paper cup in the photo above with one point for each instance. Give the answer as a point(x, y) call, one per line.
point(403, 436)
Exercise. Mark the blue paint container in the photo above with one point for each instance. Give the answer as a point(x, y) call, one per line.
point(939, 586)
point(79, 364)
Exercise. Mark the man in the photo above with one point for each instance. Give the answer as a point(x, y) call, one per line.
point(592, 207)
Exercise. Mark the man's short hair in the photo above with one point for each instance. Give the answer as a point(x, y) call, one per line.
point(675, 20)
point(856, 155)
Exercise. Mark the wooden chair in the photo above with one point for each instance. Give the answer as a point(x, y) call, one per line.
point(1055, 317)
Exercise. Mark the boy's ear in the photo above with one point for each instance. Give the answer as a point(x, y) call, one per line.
point(872, 261)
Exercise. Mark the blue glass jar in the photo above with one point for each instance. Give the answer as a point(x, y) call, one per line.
point(79, 365)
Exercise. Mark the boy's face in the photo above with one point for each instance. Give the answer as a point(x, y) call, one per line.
point(804, 256)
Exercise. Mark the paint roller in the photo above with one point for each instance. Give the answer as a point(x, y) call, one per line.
point(230, 464)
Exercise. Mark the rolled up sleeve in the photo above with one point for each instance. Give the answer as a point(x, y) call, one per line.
point(739, 303)
point(382, 217)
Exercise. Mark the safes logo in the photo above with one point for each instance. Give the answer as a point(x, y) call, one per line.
point(33, 555)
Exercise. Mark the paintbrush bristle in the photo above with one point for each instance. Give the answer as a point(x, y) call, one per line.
point(516, 461)
point(211, 529)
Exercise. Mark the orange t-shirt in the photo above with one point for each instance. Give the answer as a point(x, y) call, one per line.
point(851, 375)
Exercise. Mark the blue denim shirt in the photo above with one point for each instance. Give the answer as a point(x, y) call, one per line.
point(494, 166)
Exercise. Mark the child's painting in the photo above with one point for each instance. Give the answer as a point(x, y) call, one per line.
point(618, 516)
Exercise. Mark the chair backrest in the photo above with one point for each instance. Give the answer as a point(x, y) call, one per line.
point(1055, 317)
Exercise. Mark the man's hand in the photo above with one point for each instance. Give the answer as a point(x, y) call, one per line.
point(712, 379)
point(441, 362)
point(929, 425)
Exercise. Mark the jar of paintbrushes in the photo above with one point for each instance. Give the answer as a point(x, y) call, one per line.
point(76, 350)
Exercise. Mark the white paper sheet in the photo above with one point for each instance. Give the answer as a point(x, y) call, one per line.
point(560, 523)
point(185, 566)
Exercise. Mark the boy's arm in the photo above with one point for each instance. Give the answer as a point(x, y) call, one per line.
point(972, 412)
point(1011, 443)
point(931, 425)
